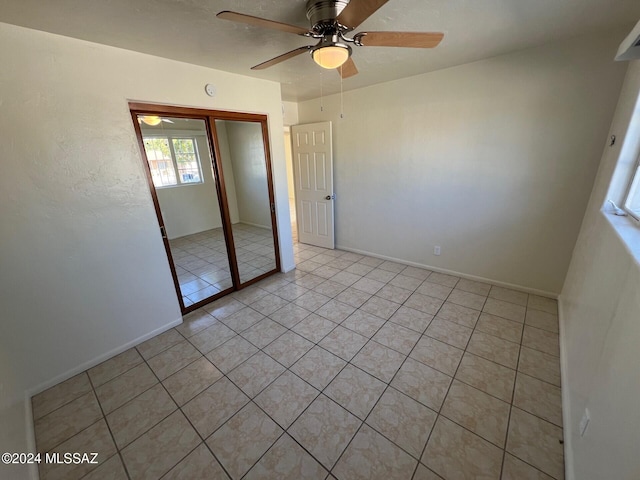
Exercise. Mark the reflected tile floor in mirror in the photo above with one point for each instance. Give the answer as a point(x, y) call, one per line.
point(349, 367)
point(202, 263)
point(255, 251)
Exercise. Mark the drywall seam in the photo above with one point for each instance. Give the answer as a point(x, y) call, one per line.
point(498, 283)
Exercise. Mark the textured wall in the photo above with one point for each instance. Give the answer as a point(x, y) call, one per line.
point(84, 272)
point(249, 172)
point(600, 317)
point(494, 160)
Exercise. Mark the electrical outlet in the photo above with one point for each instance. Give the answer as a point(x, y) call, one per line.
point(584, 422)
point(436, 250)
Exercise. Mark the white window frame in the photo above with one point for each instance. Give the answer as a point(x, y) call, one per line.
point(170, 137)
point(633, 191)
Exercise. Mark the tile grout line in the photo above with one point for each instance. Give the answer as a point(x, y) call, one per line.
point(334, 377)
point(113, 439)
point(453, 378)
point(202, 244)
point(252, 400)
point(515, 406)
point(513, 393)
point(383, 392)
point(444, 398)
point(320, 392)
point(314, 344)
point(511, 404)
point(465, 350)
point(179, 408)
point(389, 386)
point(104, 415)
point(349, 363)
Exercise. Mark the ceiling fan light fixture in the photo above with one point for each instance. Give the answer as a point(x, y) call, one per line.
point(331, 56)
point(151, 120)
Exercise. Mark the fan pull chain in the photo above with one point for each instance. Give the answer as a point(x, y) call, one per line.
point(341, 100)
point(321, 98)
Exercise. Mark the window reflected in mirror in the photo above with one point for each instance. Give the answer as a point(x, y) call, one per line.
point(177, 151)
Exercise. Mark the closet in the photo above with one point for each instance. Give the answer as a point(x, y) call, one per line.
point(209, 173)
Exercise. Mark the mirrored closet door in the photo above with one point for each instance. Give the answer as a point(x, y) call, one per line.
point(209, 173)
point(249, 196)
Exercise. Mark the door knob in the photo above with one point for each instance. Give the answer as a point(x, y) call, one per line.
point(330, 197)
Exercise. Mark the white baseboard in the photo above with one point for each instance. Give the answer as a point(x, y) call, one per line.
point(569, 473)
point(288, 268)
point(29, 425)
point(264, 227)
point(499, 283)
point(97, 360)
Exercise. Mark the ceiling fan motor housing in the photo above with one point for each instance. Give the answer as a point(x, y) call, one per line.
point(323, 13)
point(331, 41)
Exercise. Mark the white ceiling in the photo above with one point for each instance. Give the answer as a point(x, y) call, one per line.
point(188, 30)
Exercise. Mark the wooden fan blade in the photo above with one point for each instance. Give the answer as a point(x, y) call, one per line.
point(281, 58)
point(261, 22)
point(400, 39)
point(357, 11)
point(348, 69)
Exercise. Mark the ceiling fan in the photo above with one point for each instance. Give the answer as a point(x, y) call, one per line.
point(331, 21)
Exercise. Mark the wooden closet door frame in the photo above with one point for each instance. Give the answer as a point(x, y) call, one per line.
point(209, 117)
point(262, 119)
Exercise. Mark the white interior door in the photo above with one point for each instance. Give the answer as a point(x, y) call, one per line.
point(313, 182)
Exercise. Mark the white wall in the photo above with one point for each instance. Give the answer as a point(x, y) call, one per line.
point(290, 118)
point(247, 161)
point(600, 320)
point(289, 162)
point(290, 113)
point(227, 168)
point(493, 161)
point(84, 271)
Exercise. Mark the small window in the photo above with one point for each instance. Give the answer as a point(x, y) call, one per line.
point(173, 160)
point(632, 202)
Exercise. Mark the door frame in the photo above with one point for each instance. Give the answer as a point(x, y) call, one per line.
point(296, 181)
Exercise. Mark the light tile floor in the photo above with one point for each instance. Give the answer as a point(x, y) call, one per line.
point(348, 368)
point(202, 262)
